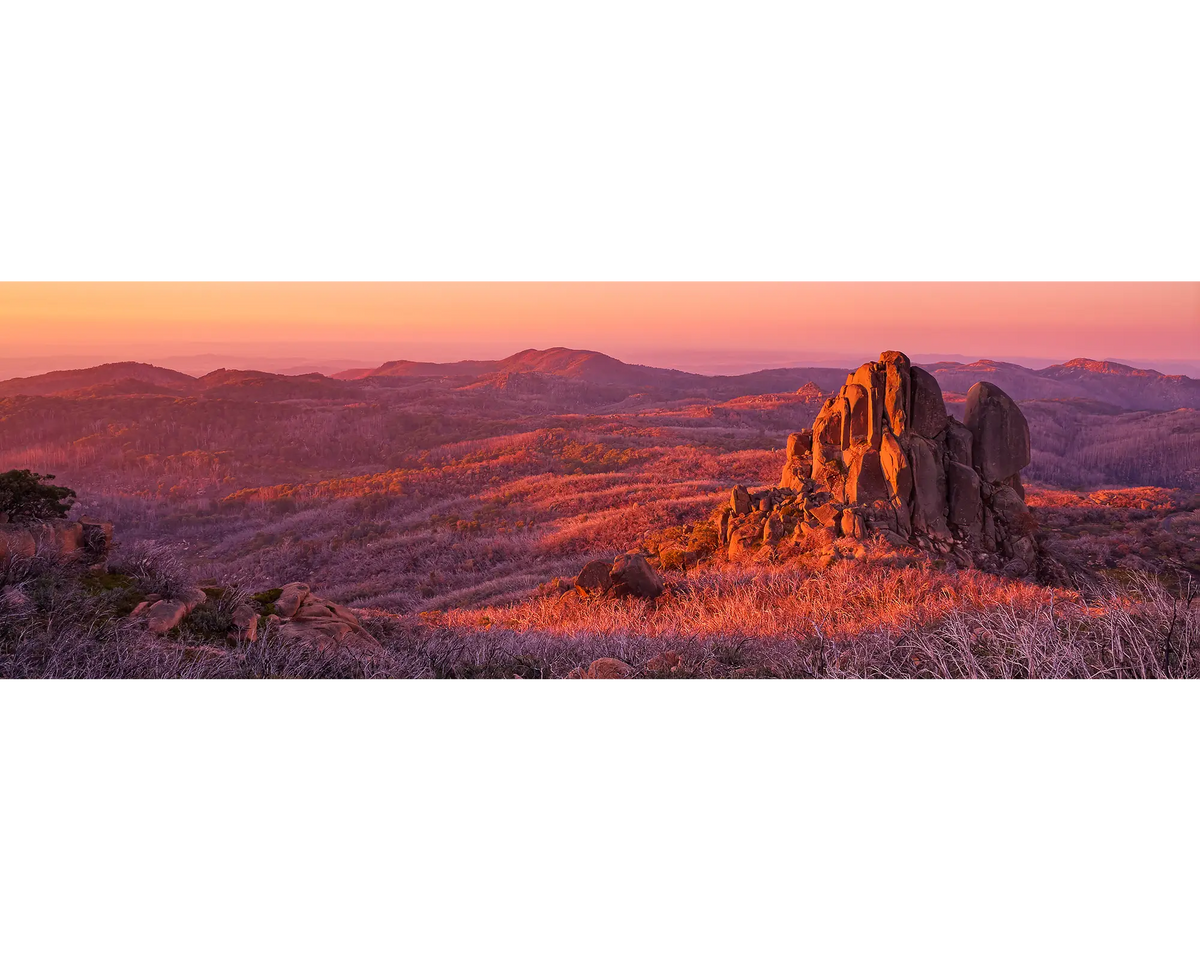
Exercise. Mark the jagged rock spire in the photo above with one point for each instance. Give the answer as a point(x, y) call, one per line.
point(884, 458)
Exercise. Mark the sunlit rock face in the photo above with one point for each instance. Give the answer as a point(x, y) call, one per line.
point(85, 540)
point(884, 459)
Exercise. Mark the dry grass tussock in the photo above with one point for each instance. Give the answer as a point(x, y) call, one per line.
point(857, 619)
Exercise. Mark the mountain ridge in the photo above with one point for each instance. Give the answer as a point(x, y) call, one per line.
point(1078, 379)
point(60, 381)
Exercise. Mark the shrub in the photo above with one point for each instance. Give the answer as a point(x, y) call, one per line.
point(157, 568)
point(24, 498)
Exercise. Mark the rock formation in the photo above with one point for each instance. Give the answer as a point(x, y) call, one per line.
point(298, 617)
point(884, 459)
point(595, 579)
point(164, 615)
point(632, 576)
point(85, 540)
point(629, 575)
point(309, 620)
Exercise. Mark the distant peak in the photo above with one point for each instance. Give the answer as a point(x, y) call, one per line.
point(1100, 366)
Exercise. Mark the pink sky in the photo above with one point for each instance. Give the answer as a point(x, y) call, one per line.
point(1052, 320)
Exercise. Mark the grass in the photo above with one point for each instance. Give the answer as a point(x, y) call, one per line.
point(777, 625)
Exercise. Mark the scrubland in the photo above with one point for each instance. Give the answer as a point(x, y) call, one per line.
point(441, 514)
point(859, 618)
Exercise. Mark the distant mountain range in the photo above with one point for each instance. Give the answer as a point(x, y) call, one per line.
point(1081, 379)
point(603, 370)
point(544, 371)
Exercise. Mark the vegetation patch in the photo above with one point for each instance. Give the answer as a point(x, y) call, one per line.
point(265, 601)
point(96, 582)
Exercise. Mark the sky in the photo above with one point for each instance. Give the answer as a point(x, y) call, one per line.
point(644, 322)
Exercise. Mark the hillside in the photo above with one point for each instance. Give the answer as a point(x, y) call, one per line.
point(589, 366)
point(256, 385)
point(1113, 383)
point(453, 522)
point(539, 374)
point(139, 375)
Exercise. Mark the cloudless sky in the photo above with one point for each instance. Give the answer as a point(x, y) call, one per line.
point(1057, 320)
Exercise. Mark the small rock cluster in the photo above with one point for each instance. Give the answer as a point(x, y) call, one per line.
point(298, 617)
point(86, 540)
point(629, 575)
point(304, 618)
point(163, 615)
point(883, 458)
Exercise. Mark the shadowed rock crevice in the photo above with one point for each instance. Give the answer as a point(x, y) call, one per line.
point(884, 459)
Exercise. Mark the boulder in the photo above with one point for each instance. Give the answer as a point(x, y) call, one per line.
point(745, 540)
point(866, 481)
point(1000, 433)
point(826, 457)
point(872, 378)
point(16, 542)
point(316, 608)
point(633, 576)
point(826, 514)
point(896, 470)
point(773, 530)
point(852, 524)
point(245, 623)
point(557, 586)
point(880, 515)
point(966, 504)
point(959, 442)
point(192, 598)
point(325, 635)
point(795, 471)
point(843, 407)
point(63, 538)
point(292, 595)
point(166, 614)
point(800, 444)
point(929, 488)
point(827, 428)
point(739, 500)
point(927, 408)
point(594, 579)
point(1025, 550)
point(897, 389)
point(306, 620)
point(860, 412)
point(1008, 506)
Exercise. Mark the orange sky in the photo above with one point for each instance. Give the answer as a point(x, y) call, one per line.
point(1058, 320)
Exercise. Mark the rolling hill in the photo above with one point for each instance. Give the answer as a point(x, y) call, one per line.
point(598, 380)
point(1080, 379)
point(599, 369)
point(140, 375)
point(256, 385)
